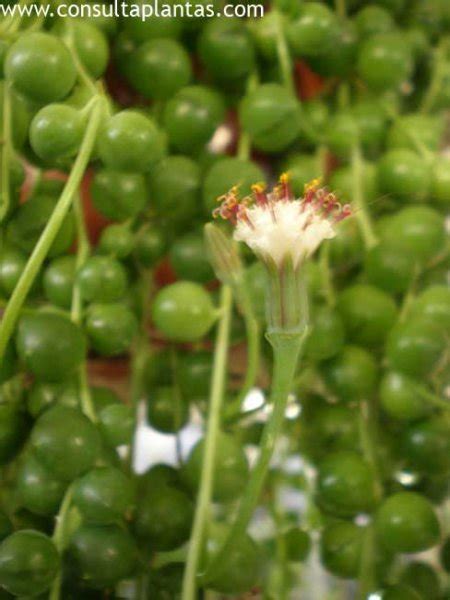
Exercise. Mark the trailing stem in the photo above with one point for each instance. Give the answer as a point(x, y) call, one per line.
point(83, 250)
point(7, 152)
point(212, 432)
point(253, 335)
point(284, 57)
point(52, 228)
point(140, 352)
point(368, 430)
point(59, 538)
point(438, 74)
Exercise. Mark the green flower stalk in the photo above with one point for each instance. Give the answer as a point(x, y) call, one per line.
point(283, 232)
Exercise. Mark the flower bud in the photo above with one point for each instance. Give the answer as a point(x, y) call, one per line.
point(223, 255)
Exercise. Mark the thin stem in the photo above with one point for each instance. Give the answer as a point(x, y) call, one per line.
point(87, 404)
point(244, 143)
point(140, 352)
point(59, 535)
point(368, 425)
point(162, 559)
point(82, 72)
point(361, 212)
point(343, 95)
point(177, 399)
point(421, 148)
point(341, 8)
point(440, 60)
point(409, 296)
point(286, 352)
point(280, 542)
point(367, 575)
point(55, 590)
point(367, 431)
point(430, 397)
point(83, 250)
point(253, 335)
point(6, 153)
point(212, 432)
point(51, 230)
point(253, 353)
point(284, 57)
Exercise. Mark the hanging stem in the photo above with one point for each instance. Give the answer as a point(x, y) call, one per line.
point(140, 352)
point(82, 72)
point(286, 349)
point(253, 335)
point(6, 153)
point(280, 545)
point(244, 142)
point(284, 57)
point(430, 397)
point(367, 576)
point(44, 243)
point(421, 148)
point(367, 430)
point(440, 63)
point(368, 426)
point(253, 354)
point(178, 400)
point(59, 538)
point(343, 95)
point(341, 8)
point(361, 212)
point(212, 432)
point(83, 251)
point(244, 145)
point(409, 297)
point(87, 405)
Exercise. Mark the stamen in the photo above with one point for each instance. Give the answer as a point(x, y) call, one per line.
point(285, 187)
point(310, 190)
point(242, 214)
point(330, 203)
point(229, 207)
point(259, 193)
point(345, 212)
point(312, 185)
point(320, 199)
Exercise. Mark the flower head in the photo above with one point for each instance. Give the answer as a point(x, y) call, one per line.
point(279, 227)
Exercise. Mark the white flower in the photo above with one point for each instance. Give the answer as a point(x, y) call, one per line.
point(276, 226)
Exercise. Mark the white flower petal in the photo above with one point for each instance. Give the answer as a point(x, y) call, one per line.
point(284, 229)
